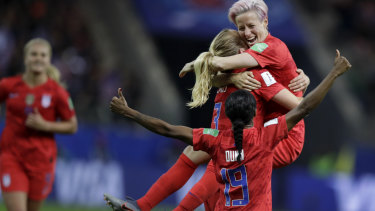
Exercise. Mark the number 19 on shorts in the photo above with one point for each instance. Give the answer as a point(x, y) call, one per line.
point(230, 180)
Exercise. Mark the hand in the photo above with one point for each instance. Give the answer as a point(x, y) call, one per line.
point(118, 104)
point(35, 121)
point(299, 83)
point(246, 81)
point(341, 64)
point(189, 67)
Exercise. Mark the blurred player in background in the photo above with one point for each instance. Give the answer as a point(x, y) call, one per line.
point(37, 107)
point(245, 175)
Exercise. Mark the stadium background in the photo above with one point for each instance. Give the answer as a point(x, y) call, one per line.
point(141, 45)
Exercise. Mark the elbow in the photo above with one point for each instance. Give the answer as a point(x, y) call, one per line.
point(163, 129)
point(304, 109)
point(74, 129)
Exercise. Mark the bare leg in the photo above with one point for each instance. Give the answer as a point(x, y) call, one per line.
point(33, 205)
point(15, 201)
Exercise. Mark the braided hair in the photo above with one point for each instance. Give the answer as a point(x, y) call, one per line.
point(240, 108)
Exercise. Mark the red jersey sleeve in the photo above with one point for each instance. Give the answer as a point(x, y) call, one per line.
point(64, 105)
point(204, 139)
point(269, 53)
point(270, 87)
point(274, 131)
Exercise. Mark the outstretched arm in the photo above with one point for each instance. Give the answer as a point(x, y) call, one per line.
point(120, 106)
point(315, 97)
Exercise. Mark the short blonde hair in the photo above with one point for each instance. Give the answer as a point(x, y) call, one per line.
point(242, 6)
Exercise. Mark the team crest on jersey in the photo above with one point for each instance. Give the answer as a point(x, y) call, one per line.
point(46, 101)
point(29, 99)
point(212, 132)
point(259, 47)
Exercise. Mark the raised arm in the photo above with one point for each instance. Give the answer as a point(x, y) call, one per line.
point(120, 106)
point(315, 97)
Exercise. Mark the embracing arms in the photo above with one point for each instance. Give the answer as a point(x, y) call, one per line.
point(245, 79)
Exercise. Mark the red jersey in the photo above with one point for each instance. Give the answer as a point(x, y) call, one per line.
point(272, 54)
point(52, 101)
point(245, 185)
point(262, 95)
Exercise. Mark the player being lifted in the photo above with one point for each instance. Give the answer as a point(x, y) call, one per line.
point(243, 150)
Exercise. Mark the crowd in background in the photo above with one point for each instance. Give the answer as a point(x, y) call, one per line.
point(63, 24)
point(354, 29)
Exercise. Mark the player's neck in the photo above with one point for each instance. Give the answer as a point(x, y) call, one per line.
point(34, 79)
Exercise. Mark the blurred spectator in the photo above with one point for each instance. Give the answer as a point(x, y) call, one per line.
point(354, 30)
point(74, 54)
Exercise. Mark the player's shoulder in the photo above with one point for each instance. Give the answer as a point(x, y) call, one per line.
point(280, 120)
point(11, 79)
point(56, 88)
point(215, 133)
point(274, 43)
point(274, 40)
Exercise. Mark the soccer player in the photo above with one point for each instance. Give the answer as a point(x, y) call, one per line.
point(37, 106)
point(242, 155)
point(266, 51)
point(226, 43)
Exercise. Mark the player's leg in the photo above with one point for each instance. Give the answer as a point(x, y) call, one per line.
point(34, 205)
point(174, 178)
point(15, 201)
point(14, 183)
point(203, 191)
point(41, 179)
point(288, 150)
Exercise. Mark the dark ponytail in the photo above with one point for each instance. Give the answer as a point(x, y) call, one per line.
point(238, 136)
point(240, 109)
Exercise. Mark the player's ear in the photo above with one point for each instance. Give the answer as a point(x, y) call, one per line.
point(242, 50)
